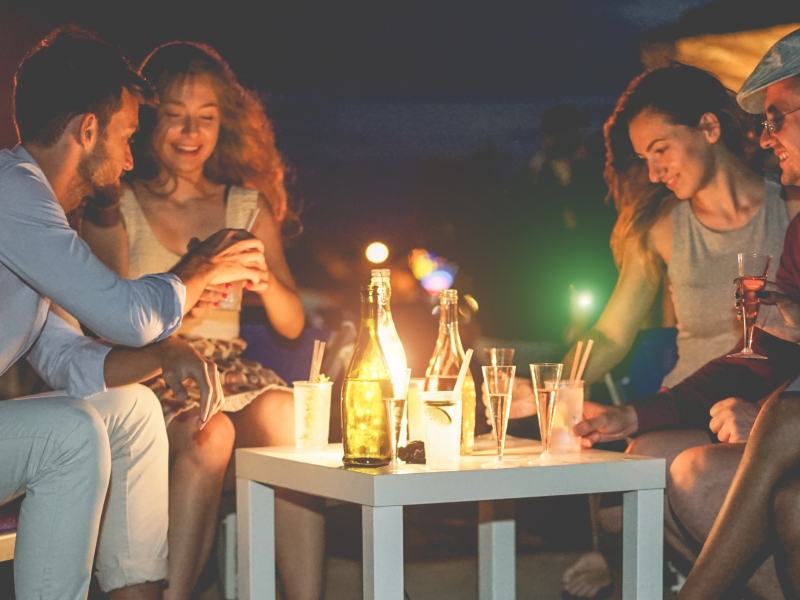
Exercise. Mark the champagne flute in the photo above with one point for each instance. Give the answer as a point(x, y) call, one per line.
point(395, 407)
point(753, 270)
point(499, 381)
point(546, 378)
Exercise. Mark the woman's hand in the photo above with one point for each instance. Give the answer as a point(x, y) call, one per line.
point(210, 298)
point(523, 401)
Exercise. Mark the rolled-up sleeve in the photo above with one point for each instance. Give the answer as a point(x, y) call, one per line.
point(687, 405)
point(68, 360)
point(38, 245)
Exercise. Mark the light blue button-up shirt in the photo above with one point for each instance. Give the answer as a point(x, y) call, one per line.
point(43, 259)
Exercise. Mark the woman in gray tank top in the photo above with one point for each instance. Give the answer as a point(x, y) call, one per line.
point(687, 204)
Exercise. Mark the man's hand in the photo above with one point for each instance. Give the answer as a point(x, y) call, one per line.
point(228, 255)
point(732, 419)
point(606, 423)
point(179, 362)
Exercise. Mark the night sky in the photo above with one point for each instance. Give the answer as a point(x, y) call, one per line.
point(363, 95)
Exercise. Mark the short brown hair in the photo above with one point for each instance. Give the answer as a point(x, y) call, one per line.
point(69, 73)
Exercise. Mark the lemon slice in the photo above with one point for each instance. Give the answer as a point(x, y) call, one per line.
point(438, 416)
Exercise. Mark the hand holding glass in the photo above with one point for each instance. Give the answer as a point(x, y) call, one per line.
point(499, 383)
point(753, 270)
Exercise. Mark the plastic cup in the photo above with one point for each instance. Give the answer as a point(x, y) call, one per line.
point(442, 415)
point(234, 300)
point(569, 412)
point(312, 413)
point(416, 424)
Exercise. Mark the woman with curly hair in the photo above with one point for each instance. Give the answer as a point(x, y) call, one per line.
point(687, 203)
point(205, 159)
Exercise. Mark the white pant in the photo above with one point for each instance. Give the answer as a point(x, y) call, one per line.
point(132, 545)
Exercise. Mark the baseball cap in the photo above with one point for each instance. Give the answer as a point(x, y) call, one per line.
point(780, 62)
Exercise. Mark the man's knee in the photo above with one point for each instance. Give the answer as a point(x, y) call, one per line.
point(132, 412)
point(684, 475)
point(86, 443)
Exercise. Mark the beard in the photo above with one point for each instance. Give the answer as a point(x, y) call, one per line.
point(93, 170)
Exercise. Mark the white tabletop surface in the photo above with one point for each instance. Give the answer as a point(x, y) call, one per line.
point(323, 474)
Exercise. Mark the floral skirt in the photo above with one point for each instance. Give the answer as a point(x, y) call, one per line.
point(242, 380)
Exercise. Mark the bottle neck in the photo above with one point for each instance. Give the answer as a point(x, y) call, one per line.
point(384, 295)
point(448, 317)
point(369, 310)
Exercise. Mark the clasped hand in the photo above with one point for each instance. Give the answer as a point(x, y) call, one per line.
point(732, 419)
point(228, 255)
point(179, 362)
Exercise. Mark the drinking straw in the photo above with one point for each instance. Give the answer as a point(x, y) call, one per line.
point(584, 359)
point(575, 361)
point(462, 374)
point(312, 374)
point(252, 220)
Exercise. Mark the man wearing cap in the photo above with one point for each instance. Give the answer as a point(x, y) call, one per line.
point(761, 512)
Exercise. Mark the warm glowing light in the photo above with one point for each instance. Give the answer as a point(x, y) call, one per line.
point(377, 252)
point(584, 300)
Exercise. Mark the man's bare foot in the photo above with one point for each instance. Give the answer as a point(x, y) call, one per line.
point(587, 576)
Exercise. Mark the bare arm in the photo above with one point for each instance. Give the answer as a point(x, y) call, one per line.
point(107, 237)
point(278, 294)
point(173, 358)
point(228, 255)
point(639, 280)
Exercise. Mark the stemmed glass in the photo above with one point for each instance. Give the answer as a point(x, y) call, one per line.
point(499, 381)
point(753, 270)
point(546, 378)
point(499, 357)
point(395, 407)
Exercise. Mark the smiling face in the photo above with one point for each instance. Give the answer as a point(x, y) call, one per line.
point(782, 98)
point(100, 171)
point(188, 125)
point(678, 156)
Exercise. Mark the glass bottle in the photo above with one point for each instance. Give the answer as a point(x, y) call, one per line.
point(387, 336)
point(448, 356)
point(364, 434)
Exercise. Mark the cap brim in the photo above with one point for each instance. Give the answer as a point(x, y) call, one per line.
point(753, 101)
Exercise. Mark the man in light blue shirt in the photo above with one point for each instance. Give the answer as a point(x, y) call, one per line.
point(76, 109)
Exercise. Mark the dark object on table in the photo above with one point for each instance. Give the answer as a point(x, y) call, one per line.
point(413, 453)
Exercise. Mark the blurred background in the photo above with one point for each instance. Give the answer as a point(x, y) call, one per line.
point(467, 131)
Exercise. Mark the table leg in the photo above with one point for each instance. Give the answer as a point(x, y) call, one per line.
point(643, 545)
point(255, 517)
point(497, 572)
point(382, 536)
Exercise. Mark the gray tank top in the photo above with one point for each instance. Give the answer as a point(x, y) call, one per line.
point(701, 271)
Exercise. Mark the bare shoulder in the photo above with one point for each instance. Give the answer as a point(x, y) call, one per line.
point(792, 196)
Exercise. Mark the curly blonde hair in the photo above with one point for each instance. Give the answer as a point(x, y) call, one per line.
point(245, 154)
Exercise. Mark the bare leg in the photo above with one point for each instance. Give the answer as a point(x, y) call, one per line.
point(591, 572)
point(742, 528)
point(299, 518)
point(699, 479)
point(141, 591)
point(787, 520)
point(198, 461)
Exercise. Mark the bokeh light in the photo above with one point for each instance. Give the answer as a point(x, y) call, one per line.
point(377, 252)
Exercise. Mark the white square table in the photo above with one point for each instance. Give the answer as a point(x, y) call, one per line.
point(382, 496)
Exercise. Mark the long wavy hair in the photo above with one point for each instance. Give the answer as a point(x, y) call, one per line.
point(245, 154)
point(682, 95)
